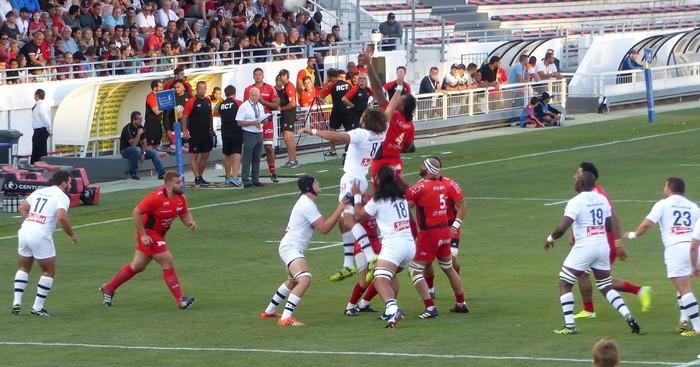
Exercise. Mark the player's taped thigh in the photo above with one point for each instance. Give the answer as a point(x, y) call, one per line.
point(445, 264)
point(300, 275)
point(383, 273)
point(415, 271)
point(567, 276)
point(603, 283)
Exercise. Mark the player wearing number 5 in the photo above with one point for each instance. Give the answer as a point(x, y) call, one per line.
point(41, 210)
point(589, 214)
point(430, 196)
point(676, 217)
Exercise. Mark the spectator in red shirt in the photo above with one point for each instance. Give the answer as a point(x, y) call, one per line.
point(390, 87)
point(154, 42)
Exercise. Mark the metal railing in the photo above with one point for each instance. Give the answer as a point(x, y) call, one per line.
point(632, 81)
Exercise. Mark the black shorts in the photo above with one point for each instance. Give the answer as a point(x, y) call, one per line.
point(201, 143)
point(232, 144)
point(288, 119)
point(153, 133)
point(339, 119)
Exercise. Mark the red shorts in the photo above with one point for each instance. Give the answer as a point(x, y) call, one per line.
point(374, 242)
point(157, 246)
point(268, 133)
point(394, 163)
point(433, 243)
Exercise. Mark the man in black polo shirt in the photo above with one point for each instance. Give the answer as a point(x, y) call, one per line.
point(489, 72)
point(231, 136)
point(154, 116)
point(32, 51)
point(337, 88)
point(133, 147)
point(198, 126)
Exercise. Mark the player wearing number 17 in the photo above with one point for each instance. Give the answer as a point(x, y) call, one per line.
point(590, 216)
point(153, 217)
point(677, 216)
point(41, 210)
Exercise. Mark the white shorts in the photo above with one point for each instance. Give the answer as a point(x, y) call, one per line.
point(289, 253)
point(346, 185)
point(399, 251)
point(36, 245)
point(582, 258)
point(677, 259)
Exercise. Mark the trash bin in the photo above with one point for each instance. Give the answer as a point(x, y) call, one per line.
point(8, 137)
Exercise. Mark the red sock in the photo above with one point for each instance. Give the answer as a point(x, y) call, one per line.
point(370, 292)
point(459, 298)
point(356, 293)
point(428, 302)
point(272, 168)
point(122, 276)
point(631, 288)
point(170, 278)
point(588, 307)
point(430, 280)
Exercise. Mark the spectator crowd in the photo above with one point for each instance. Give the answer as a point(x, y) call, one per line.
point(59, 39)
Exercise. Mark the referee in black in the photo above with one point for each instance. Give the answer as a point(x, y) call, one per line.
point(198, 125)
point(231, 137)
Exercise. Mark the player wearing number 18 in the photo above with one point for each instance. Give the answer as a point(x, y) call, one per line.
point(41, 210)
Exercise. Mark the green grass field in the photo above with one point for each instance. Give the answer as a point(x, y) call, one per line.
point(232, 269)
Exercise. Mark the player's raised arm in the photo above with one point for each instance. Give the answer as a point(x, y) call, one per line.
point(325, 225)
point(366, 59)
point(393, 102)
point(334, 136)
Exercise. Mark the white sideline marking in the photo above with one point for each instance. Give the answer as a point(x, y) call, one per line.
point(328, 245)
point(556, 203)
point(322, 352)
point(688, 165)
point(614, 142)
point(691, 363)
point(322, 171)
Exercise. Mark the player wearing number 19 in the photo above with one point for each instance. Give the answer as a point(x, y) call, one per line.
point(677, 216)
point(589, 214)
point(41, 210)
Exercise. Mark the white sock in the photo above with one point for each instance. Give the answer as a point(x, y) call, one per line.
point(567, 308)
point(279, 296)
point(348, 246)
point(617, 302)
point(42, 291)
point(350, 306)
point(292, 303)
point(683, 315)
point(21, 279)
point(391, 307)
point(360, 234)
point(690, 304)
point(431, 290)
point(363, 303)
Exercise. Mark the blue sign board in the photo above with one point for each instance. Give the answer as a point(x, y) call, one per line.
point(166, 100)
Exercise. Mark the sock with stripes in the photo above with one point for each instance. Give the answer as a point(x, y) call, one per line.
point(360, 235)
point(173, 283)
point(292, 303)
point(279, 296)
point(628, 287)
point(21, 279)
point(390, 306)
point(567, 307)
point(683, 315)
point(356, 294)
point(690, 305)
point(617, 302)
point(42, 291)
point(370, 292)
point(348, 246)
point(122, 276)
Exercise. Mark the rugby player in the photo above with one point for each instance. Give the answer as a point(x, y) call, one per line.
point(304, 218)
point(41, 210)
point(153, 217)
point(270, 100)
point(589, 214)
point(676, 217)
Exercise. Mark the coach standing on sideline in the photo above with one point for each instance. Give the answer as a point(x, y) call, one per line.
point(231, 136)
point(198, 125)
point(248, 118)
point(41, 123)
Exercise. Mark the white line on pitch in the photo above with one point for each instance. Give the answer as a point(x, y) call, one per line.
point(323, 352)
point(556, 203)
point(614, 142)
point(278, 241)
point(691, 363)
point(322, 171)
point(324, 247)
point(689, 165)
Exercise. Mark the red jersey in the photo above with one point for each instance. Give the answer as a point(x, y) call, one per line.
point(159, 210)
point(306, 99)
point(611, 237)
point(267, 93)
point(454, 195)
point(430, 199)
point(399, 137)
point(185, 83)
point(390, 88)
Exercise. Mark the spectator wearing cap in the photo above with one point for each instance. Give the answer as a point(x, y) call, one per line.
point(545, 113)
point(70, 19)
point(390, 87)
point(489, 72)
point(90, 16)
point(630, 62)
point(146, 20)
point(546, 68)
point(451, 80)
point(165, 14)
point(390, 29)
point(431, 82)
point(518, 73)
point(314, 24)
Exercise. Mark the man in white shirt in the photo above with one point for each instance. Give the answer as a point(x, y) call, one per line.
point(41, 211)
point(250, 116)
point(304, 219)
point(23, 23)
point(165, 14)
point(677, 218)
point(589, 215)
point(146, 21)
point(546, 69)
point(41, 123)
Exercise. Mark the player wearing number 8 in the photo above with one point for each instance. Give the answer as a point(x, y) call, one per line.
point(677, 218)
